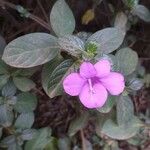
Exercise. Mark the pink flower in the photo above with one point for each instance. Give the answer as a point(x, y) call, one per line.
point(93, 82)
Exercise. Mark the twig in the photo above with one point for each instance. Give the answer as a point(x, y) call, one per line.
point(31, 16)
point(132, 44)
point(144, 59)
point(83, 140)
point(43, 11)
point(38, 91)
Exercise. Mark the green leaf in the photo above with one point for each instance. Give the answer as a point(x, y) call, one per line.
point(11, 143)
point(14, 146)
point(131, 3)
point(57, 76)
point(2, 45)
point(64, 143)
point(136, 141)
point(28, 134)
point(30, 50)
point(84, 35)
point(121, 21)
point(141, 71)
point(8, 140)
point(108, 105)
point(40, 141)
point(26, 102)
point(71, 44)
point(135, 84)
point(2, 100)
point(62, 19)
point(122, 132)
point(127, 59)
point(9, 89)
point(47, 69)
point(142, 12)
point(6, 116)
point(3, 68)
point(78, 123)
point(3, 80)
point(25, 72)
point(125, 110)
point(101, 118)
point(1, 132)
point(25, 120)
point(23, 84)
point(52, 144)
point(108, 39)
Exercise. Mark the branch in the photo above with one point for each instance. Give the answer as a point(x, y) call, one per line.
point(26, 13)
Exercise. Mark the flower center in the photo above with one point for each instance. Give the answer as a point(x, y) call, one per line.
point(91, 82)
point(90, 85)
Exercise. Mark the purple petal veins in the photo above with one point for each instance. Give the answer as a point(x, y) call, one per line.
point(93, 82)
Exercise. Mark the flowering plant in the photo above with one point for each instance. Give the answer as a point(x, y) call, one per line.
point(100, 69)
point(91, 83)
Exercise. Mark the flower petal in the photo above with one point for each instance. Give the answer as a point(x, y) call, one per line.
point(94, 99)
point(87, 70)
point(114, 83)
point(73, 84)
point(103, 68)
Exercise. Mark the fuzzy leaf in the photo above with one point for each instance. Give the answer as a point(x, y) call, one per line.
point(3, 80)
point(142, 12)
point(25, 120)
point(40, 141)
point(28, 134)
point(9, 89)
point(62, 19)
point(121, 132)
point(125, 110)
point(47, 69)
point(64, 143)
point(72, 44)
point(30, 50)
point(128, 60)
point(23, 84)
point(131, 3)
point(52, 144)
point(121, 21)
point(57, 75)
point(6, 116)
point(3, 68)
point(108, 39)
point(135, 84)
point(1, 132)
point(26, 102)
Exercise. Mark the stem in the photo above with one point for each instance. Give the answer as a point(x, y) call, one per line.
point(142, 58)
point(42, 9)
point(31, 16)
point(83, 140)
point(40, 21)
